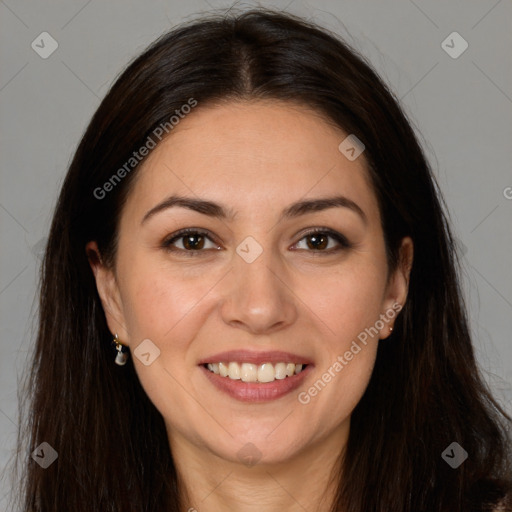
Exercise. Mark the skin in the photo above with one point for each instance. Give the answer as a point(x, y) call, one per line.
point(255, 158)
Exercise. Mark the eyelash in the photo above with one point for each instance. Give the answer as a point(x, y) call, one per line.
point(342, 241)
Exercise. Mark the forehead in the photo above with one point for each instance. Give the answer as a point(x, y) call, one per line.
point(242, 153)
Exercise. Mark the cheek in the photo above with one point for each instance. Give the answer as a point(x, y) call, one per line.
point(155, 301)
point(349, 303)
point(348, 300)
point(348, 382)
point(165, 309)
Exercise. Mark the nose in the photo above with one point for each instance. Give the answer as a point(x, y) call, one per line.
point(258, 298)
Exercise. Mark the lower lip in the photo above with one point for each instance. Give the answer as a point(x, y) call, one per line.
point(254, 391)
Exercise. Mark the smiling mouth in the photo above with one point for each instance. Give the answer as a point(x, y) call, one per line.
point(249, 372)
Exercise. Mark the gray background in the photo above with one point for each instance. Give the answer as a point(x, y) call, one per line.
point(462, 109)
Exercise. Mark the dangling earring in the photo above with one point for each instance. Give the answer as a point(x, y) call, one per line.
point(122, 351)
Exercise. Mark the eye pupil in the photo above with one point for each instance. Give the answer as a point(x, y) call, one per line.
point(190, 242)
point(193, 242)
point(317, 241)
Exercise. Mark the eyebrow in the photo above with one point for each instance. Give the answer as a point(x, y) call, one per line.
point(218, 211)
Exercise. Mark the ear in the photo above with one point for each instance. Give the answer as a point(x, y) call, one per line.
point(398, 286)
point(108, 291)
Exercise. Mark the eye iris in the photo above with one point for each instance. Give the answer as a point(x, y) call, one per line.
point(196, 241)
point(190, 242)
point(318, 241)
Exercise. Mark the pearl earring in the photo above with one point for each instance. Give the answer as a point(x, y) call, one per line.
point(122, 351)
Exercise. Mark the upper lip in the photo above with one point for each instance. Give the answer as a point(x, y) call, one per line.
point(247, 356)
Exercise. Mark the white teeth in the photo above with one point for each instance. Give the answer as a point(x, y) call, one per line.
point(248, 372)
point(266, 373)
point(280, 370)
point(223, 370)
point(234, 371)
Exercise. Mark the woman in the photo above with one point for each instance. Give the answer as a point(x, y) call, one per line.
point(250, 230)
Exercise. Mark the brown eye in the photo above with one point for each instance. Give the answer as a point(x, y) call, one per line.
point(193, 242)
point(317, 241)
point(189, 241)
point(321, 240)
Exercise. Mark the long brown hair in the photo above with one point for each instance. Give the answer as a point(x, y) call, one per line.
point(426, 390)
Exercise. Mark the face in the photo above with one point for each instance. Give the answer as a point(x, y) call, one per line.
point(268, 273)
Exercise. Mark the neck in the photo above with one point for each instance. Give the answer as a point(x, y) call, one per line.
point(210, 483)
